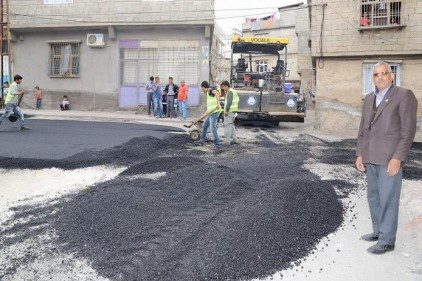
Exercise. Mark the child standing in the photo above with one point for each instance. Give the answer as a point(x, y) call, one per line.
point(37, 94)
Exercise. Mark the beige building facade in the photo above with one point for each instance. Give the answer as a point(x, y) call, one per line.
point(101, 53)
point(348, 38)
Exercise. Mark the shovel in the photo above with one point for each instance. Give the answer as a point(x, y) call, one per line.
point(192, 123)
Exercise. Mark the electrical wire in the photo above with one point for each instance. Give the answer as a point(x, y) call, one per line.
point(192, 19)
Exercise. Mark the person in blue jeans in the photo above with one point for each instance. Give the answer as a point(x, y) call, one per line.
point(212, 114)
point(182, 99)
point(148, 88)
point(156, 97)
point(12, 102)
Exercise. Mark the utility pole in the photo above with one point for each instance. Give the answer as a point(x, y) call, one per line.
point(4, 42)
point(1, 48)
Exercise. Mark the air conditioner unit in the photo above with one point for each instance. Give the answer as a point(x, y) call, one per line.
point(95, 40)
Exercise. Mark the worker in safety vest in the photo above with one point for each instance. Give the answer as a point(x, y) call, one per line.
point(231, 105)
point(222, 93)
point(212, 113)
point(12, 102)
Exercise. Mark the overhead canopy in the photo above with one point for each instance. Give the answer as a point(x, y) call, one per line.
point(258, 45)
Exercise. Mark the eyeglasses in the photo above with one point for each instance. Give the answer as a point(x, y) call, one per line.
point(381, 73)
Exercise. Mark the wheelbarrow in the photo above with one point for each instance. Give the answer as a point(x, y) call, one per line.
point(195, 133)
point(12, 117)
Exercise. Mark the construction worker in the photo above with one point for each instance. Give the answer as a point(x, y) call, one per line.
point(231, 105)
point(222, 96)
point(212, 114)
point(12, 101)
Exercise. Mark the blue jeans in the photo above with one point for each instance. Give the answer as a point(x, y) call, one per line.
point(211, 122)
point(158, 106)
point(183, 108)
point(149, 102)
point(38, 104)
point(13, 108)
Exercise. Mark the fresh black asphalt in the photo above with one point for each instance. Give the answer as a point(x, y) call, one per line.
point(245, 212)
point(58, 139)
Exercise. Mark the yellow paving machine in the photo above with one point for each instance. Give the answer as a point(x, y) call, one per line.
point(258, 74)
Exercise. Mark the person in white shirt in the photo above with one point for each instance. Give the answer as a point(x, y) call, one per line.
point(65, 105)
point(150, 92)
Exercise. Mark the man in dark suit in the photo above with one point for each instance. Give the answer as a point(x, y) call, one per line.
point(386, 133)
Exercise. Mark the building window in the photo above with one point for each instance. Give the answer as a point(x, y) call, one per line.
point(64, 59)
point(261, 66)
point(381, 13)
point(368, 84)
point(138, 64)
point(58, 1)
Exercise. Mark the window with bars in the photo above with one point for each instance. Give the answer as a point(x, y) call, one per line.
point(64, 59)
point(261, 66)
point(138, 64)
point(368, 84)
point(381, 13)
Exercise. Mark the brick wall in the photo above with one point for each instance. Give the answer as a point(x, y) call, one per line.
point(33, 13)
point(346, 46)
point(343, 36)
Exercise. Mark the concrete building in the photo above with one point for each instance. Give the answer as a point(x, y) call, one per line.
point(101, 53)
point(348, 38)
point(292, 22)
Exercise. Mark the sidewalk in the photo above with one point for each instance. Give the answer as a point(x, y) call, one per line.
point(101, 116)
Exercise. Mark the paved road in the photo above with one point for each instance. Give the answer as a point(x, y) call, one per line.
point(57, 139)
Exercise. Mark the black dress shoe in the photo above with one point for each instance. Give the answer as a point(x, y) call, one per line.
point(371, 237)
point(380, 249)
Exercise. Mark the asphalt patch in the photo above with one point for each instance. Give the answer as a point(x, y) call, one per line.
point(245, 213)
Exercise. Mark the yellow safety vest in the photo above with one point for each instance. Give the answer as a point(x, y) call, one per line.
point(9, 96)
point(235, 101)
point(211, 103)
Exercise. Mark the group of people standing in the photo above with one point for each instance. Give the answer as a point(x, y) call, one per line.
point(156, 97)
